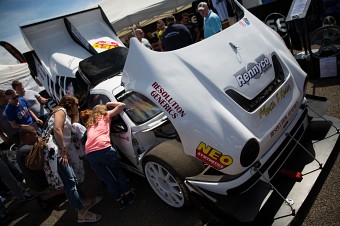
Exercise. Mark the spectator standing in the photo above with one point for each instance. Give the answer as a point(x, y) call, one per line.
point(160, 28)
point(139, 34)
point(193, 28)
point(175, 36)
point(103, 157)
point(153, 39)
point(18, 111)
point(8, 134)
point(58, 147)
point(76, 148)
point(212, 22)
point(199, 18)
point(33, 98)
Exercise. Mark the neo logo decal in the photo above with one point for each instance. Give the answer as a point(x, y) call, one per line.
point(212, 157)
point(253, 70)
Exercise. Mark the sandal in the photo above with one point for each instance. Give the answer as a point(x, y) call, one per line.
point(88, 217)
point(89, 203)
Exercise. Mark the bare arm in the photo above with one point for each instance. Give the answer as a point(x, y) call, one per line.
point(14, 124)
point(118, 107)
point(59, 119)
point(42, 100)
point(39, 121)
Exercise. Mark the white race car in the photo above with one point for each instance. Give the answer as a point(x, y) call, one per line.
point(213, 118)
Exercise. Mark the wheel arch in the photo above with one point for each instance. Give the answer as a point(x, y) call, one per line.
point(172, 153)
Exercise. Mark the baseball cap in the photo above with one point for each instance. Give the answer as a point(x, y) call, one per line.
point(202, 6)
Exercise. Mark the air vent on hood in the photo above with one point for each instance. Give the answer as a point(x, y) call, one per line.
point(251, 104)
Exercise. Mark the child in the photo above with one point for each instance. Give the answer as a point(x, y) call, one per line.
point(76, 148)
point(103, 156)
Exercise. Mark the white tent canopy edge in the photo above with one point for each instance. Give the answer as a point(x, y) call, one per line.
point(123, 14)
point(19, 72)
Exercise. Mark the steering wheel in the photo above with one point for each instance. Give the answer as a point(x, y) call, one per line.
point(327, 40)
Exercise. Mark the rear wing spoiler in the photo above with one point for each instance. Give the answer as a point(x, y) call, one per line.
point(59, 44)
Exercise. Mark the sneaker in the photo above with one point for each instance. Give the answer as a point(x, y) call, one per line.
point(130, 197)
point(120, 203)
point(27, 197)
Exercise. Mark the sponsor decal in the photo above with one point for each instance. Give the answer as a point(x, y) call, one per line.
point(105, 45)
point(284, 121)
point(212, 156)
point(168, 103)
point(244, 22)
point(268, 108)
point(253, 70)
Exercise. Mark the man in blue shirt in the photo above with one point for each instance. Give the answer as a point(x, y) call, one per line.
point(18, 111)
point(8, 134)
point(212, 22)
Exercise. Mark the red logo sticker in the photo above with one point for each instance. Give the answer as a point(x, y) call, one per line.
point(105, 45)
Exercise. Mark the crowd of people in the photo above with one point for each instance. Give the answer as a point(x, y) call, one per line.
point(172, 35)
point(71, 137)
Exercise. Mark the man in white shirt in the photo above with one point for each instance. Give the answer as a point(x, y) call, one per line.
point(140, 36)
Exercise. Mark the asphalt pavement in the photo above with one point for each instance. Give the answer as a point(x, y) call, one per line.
point(322, 208)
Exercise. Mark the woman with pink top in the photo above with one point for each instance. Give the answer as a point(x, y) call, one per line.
point(103, 157)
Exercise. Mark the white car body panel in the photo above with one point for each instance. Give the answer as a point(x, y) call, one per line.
point(195, 77)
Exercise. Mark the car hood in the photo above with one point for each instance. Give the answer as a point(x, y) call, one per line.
point(191, 86)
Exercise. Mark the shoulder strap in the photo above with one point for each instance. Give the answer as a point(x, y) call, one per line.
point(52, 113)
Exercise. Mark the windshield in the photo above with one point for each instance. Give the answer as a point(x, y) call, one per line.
point(139, 108)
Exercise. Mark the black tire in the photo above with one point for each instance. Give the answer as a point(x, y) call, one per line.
point(165, 167)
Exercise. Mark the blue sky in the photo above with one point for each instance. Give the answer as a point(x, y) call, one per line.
point(21, 12)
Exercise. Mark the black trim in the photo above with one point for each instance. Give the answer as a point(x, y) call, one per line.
point(104, 65)
point(251, 104)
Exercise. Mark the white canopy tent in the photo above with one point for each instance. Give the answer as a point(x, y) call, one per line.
point(19, 72)
point(123, 14)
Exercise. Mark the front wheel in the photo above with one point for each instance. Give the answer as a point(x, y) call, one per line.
point(166, 167)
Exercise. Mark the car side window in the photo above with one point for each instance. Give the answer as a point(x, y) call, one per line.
point(96, 99)
point(118, 125)
point(138, 107)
